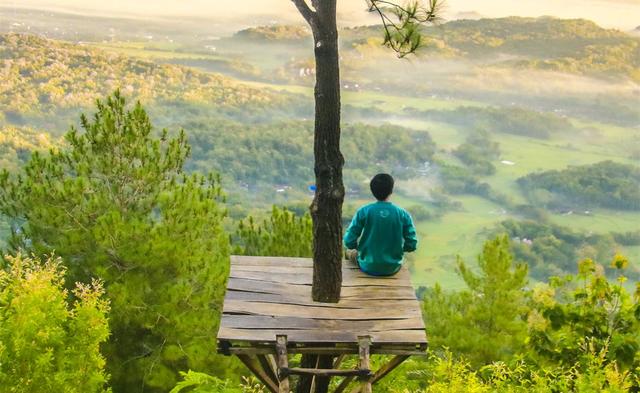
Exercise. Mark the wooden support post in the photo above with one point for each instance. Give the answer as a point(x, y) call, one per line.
point(338, 361)
point(344, 384)
point(268, 367)
point(326, 372)
point(254, 365)
point(387, 368)
point(283, 363)
point(314, 378)
point(364, 343)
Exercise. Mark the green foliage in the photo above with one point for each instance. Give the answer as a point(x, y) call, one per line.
point(552, 250)
point(50, 338)
point(116, 205)
point(478, 152)
point(203, 383)
point(460, 180)
point(607, 184)
point(576, 45)
point(447, 374)
point(586, 311)
point(401, 23)
point(280, 153)
point(195, 382)
point(42, 76)
point(275, 33)
point(17, 143)
point(486, 320)
point(281, 234)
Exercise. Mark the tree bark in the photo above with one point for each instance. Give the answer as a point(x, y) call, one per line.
point(326, 208)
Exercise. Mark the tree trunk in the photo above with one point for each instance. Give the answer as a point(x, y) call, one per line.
point(326, 209)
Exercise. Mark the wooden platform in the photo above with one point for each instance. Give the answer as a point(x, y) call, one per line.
point(270, 296)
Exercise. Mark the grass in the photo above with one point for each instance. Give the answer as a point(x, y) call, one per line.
point(463, 233)
point(152, 51)
point(458, 233)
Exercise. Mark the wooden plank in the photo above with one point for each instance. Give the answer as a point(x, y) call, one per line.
point(350, 303)
point(286, 269)
point(395, 292)
point(347, 273)
point(270, 261)
point(290, 310)
point(305, 279)
point(279, 262)
point(344, 349)
point(284, 262)
point(321, 372)
point(297, 323)
point(254, 366)
point(397, 337)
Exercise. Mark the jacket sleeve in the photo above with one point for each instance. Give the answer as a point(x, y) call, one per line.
point(354, 231)
point(409, 234)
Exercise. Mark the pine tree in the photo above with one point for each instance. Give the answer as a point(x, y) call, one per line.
point(281, 234)
point(115, 204)
point(486, 322)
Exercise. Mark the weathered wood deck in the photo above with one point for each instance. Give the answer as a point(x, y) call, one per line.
point(270, 296)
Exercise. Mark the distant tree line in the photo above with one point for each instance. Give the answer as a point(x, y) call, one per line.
point(552, 250)
point(604, 184)
point(506, 120)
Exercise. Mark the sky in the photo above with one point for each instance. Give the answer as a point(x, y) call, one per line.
point(622, 14)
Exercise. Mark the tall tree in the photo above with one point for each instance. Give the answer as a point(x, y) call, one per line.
point(115, 204)
point(486, 321)
point(401, 32)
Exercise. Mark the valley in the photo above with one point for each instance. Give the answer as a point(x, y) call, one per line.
point(245, 102)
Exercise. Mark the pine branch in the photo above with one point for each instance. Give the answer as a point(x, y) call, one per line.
point(402, 35)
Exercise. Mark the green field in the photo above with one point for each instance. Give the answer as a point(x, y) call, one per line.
point(146, 50)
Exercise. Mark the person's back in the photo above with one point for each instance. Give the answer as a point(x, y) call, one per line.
point(380, 232)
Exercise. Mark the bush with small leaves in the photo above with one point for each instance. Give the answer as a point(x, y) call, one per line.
point(50, 337)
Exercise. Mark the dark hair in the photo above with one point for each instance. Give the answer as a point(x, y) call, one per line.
point(381, 186)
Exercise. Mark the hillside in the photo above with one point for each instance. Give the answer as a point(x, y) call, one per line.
point(40, 75)
point(573, 46)
point(457, 133)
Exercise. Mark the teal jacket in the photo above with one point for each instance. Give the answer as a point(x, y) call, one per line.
point(381, 232)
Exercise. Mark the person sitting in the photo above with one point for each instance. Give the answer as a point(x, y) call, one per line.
point(380, 232)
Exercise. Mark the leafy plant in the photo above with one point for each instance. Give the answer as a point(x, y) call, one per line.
point(50, 337)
